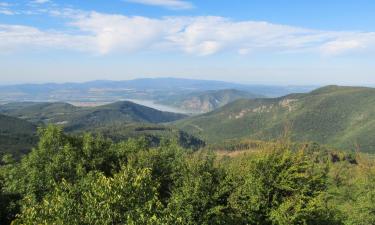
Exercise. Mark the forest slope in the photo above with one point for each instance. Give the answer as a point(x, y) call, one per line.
point(342, 117)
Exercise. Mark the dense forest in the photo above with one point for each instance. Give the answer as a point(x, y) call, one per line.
point(89, 179)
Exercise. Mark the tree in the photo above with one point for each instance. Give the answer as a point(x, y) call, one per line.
point(280, 187)
point(129, 197)
point(360, 207)
point(195, 198)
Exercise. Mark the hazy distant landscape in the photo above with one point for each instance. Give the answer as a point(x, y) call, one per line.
point(170, 94)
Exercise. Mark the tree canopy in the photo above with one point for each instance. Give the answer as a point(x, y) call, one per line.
point(88, 179)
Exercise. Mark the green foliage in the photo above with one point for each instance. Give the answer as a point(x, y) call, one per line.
point(353, 188)
point(129, 197)
point(8, 205)
point(195, 197)
point(154, 133)
point(280, 187)
point(88, 179)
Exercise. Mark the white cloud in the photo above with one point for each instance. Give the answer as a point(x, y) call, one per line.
point(5, 9)
point(106, 33)
point(7, 12)
point(40, 1)
point(4, 4)
point(209, 35)
point(18, 38)
point(349, 42)
point(121, 33)
point(170, 4)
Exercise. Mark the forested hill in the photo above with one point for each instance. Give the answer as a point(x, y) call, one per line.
point(120, 113)
point(117, 121)
point(339, 116)
point(79, 118)
point(17, 136)
point(207, 101)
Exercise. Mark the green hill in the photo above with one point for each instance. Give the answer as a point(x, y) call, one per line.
point(342, 117)
point(118, 121)
point(208, 100)
point(154, 134)
point(83, 118)
point(45, 112)
point(16, 136)
point(118, 113)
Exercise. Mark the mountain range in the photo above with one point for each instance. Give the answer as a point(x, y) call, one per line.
point(342, 117)
point(206, 101)
point(337, 116)
point(155, 89)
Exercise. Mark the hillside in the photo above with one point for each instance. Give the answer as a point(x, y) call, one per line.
point(16, 136)
point(342, 117)
point(153, 133)
point(118, 113)
point(44, 112)
point(207, 101)
point(82, 118)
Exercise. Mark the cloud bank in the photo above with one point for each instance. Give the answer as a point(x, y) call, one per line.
point(103, 34)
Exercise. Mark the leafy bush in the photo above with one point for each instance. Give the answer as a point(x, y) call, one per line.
point(89, 179)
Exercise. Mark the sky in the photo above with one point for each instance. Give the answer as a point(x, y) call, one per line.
point(284, 42)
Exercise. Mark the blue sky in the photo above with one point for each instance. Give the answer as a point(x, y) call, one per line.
point(254, 41)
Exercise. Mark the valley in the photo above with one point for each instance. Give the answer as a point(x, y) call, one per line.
point(337, 116)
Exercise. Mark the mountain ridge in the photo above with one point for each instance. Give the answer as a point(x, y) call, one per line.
point(343, 117)
point(73, 117)
point(206, 101)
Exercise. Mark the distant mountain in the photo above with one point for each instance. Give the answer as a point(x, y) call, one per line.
point(342, 117)
point(17, 136)
point(143, 89)
point(207, 101)
point(81, 118)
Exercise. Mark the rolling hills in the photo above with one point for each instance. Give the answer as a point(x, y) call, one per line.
point(118, 113)
point(343, 117)
point(83, 118)
point(207, 101)
point(118, 121)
